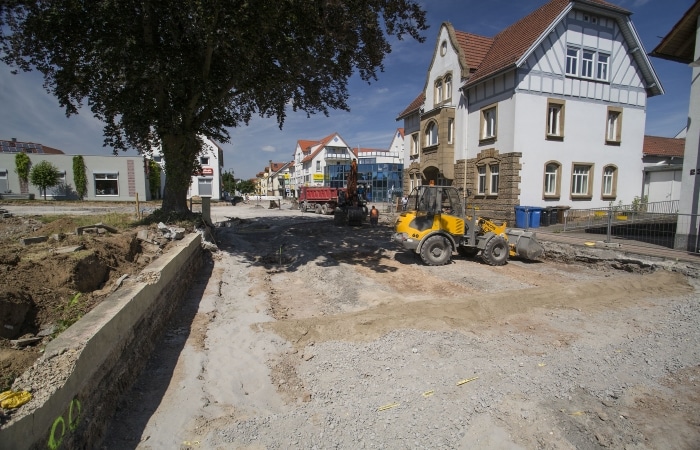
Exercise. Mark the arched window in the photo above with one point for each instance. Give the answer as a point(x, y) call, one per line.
point(438, 91)
point(448, 87)
point(431, 134)
point(609, 189)
point(552, 175)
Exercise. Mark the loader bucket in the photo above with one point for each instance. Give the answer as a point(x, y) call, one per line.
point(525, 243)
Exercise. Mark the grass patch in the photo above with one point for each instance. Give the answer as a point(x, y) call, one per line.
point(121, 221)
point(72, 312)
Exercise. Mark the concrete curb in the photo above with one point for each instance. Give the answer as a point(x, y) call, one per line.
point(107, 349)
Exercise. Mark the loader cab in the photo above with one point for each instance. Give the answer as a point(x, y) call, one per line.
point(433, 200)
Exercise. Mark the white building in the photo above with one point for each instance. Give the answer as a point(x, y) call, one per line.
point(312, 157)
point(109, 178)
point(550, 111)
point(206, 183)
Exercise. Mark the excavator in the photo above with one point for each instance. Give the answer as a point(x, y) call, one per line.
point(352, 208)
point(435, 225)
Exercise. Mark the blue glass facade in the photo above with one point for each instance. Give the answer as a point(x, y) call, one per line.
point(378, 182)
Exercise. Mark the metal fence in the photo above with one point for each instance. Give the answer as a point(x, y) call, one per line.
point(657, 223)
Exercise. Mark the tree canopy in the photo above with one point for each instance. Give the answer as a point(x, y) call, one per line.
point(44, 175)
point(164, 74)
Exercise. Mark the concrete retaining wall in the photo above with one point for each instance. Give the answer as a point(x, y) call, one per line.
point(107, 349)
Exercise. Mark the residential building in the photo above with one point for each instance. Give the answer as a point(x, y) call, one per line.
point(550, 111)
point(682, 44)
point(663, 168)
point(109, 178)
point(312, 157)
point(277, 178)
point(326, 162)
point(207, 181)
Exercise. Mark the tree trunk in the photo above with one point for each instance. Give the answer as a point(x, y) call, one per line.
point(179, 152)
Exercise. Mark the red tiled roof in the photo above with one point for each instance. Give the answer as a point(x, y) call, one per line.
point(663, 146)
point(511, 44)
point(413, 106)
point(321, 144)
point(474, 48)
point(305, 145)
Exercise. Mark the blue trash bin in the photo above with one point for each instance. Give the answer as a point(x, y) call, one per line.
point(535, 214)
point(520, 217)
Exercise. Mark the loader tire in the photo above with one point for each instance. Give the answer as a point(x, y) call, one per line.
point(495, 253)
point(324, 209)
point(436, 251)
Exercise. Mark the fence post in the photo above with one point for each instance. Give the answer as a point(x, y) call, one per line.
point(609, 236)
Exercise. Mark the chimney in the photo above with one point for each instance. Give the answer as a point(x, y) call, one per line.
point(14, 139)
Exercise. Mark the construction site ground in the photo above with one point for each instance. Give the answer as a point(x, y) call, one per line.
point(310, 335)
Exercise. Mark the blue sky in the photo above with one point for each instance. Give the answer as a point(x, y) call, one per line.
point(29, 114)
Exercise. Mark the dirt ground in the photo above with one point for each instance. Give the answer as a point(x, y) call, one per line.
point(308, 335)
point(46, 286)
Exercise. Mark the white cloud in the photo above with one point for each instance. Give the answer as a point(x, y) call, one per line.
point(268, 148)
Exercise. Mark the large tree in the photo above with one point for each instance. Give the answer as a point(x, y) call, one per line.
point(163, 73)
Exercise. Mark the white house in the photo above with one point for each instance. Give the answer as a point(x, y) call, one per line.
point(312, 157)
point(276, 179)
point(206, 183)
point(550, 111)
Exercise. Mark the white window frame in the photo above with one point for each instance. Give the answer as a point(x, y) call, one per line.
point(555, 119)
point(438, 91)
point(204, 160)
point(572, 61)
point(318, 166)
point(415, 141)
point(602, 67)
point(494, 170)
point(587, 63)
point(431, 134)
point(450, 130)
point(489, 122)
point(448, 87)
point(609, 187)
point(481, 182)
point(587, 60)
point(100, 180)
point(581, 180)
point(613, 126)
point(552, 175)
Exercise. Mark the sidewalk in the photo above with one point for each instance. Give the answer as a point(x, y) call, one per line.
point(590, 240)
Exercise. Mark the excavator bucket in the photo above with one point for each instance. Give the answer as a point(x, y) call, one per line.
point(524, 244)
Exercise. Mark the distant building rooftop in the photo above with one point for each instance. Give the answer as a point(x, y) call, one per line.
point(27, 147)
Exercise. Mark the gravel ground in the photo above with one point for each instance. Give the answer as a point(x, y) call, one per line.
point(315, 336)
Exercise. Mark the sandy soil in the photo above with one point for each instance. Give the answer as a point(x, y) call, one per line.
point(310, 335)
point(46, 286)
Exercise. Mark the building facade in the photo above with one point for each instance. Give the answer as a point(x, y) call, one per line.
point(326, 162)
point(207, 181)
point(109, 178)
point(551, 111)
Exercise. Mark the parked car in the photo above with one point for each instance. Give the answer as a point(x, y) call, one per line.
point(236, 199)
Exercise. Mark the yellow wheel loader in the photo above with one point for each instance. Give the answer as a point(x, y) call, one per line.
point(434, 226)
